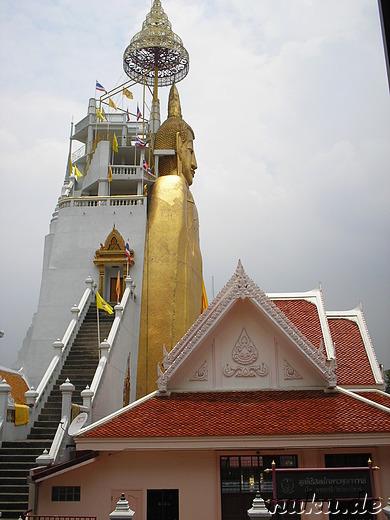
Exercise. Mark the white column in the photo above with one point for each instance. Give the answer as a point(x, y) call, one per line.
point(87, 395)
point(67, 390)
point(5, 389)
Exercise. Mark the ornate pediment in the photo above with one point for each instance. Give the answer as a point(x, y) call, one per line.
point(113, 251)
point(240, 286)
point(245, 355)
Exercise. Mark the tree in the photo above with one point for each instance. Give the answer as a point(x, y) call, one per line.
point(387, 381)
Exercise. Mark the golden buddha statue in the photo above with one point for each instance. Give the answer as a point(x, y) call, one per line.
point(172, 281)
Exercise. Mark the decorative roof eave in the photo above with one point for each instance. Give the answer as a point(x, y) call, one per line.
point(362, 398)
point(234, 442)
point(356, 315)
point(241, 286)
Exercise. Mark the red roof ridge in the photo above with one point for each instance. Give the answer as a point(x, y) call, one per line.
point(359, 397)
point(116, 414)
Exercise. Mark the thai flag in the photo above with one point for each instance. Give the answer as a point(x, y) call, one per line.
point(146, 167)
point(100, 87)
point(139, 115)
point(128, 251)
point(139, 142)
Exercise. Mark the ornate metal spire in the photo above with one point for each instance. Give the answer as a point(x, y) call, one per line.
point(156, 53)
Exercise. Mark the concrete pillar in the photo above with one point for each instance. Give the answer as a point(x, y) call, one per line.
point(104, 348)
point(89, 282)
point(118, 310)
point(122, 510)
point(67, 390)
point(258, 509)
point(5, 389)
point(75, 312)
point(58, 346)
point(128, 281)
point(31, 396)
point(87, 395)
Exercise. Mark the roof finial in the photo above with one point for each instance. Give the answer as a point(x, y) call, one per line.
point(174, 107)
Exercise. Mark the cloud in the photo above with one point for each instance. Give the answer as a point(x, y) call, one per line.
point(290, 106)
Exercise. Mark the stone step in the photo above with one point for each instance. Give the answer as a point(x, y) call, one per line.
point(12, 482)
point(18, 457)
point(17, 469)
point(13, 472)
point(34, 436)
point(23, 444)
point(28, 451)
point(12, 510)
point(12, 498)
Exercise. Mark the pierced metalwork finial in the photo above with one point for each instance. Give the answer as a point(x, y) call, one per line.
point(156, 52)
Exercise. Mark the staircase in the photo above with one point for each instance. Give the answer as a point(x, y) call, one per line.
point(18, 457)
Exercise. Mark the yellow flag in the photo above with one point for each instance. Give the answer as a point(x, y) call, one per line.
point(115, 144)
point(112, 104)
point(77, 172)
point(102, 304)
point(204, 297)
point(109, 174)
point(99, 114)
point(127, 93)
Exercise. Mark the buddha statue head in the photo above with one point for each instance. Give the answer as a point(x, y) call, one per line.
point(176, 134)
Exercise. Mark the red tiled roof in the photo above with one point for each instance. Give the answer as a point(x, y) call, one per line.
point(208, 414)
point(304, 315)
point(353, 366)
point(377, 397)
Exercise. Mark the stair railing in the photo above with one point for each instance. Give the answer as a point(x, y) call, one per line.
point(38, 397)
point(107, 344)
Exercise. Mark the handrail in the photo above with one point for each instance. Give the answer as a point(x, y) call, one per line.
point(106, 345)
point(58, 438)
point(62, 346)
point(124, 200)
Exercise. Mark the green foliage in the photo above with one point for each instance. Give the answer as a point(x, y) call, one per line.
point(387, 380)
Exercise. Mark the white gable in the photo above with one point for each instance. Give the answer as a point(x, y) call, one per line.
point(243, 341)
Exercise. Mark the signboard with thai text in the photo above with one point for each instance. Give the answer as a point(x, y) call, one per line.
point(323, 484)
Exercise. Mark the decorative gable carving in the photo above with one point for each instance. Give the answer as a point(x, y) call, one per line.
point(240, 286)
point(202, 374)
point(289, 372)
point(245, 353)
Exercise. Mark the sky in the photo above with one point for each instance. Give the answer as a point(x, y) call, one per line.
point(290, 105)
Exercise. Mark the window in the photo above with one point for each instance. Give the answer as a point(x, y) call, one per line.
point(350, 509)
point(352, 460)
point(244, 475)
point(65, 493)
point(163, 504)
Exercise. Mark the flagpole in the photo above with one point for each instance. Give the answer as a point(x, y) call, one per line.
point(69, 168)
point(127, 268)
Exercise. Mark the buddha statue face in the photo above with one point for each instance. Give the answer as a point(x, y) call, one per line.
point(186, 157)
point(176, 134)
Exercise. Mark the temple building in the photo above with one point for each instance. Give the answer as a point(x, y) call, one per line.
point(129, 384)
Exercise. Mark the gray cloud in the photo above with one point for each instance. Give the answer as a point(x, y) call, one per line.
point(290, 105)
